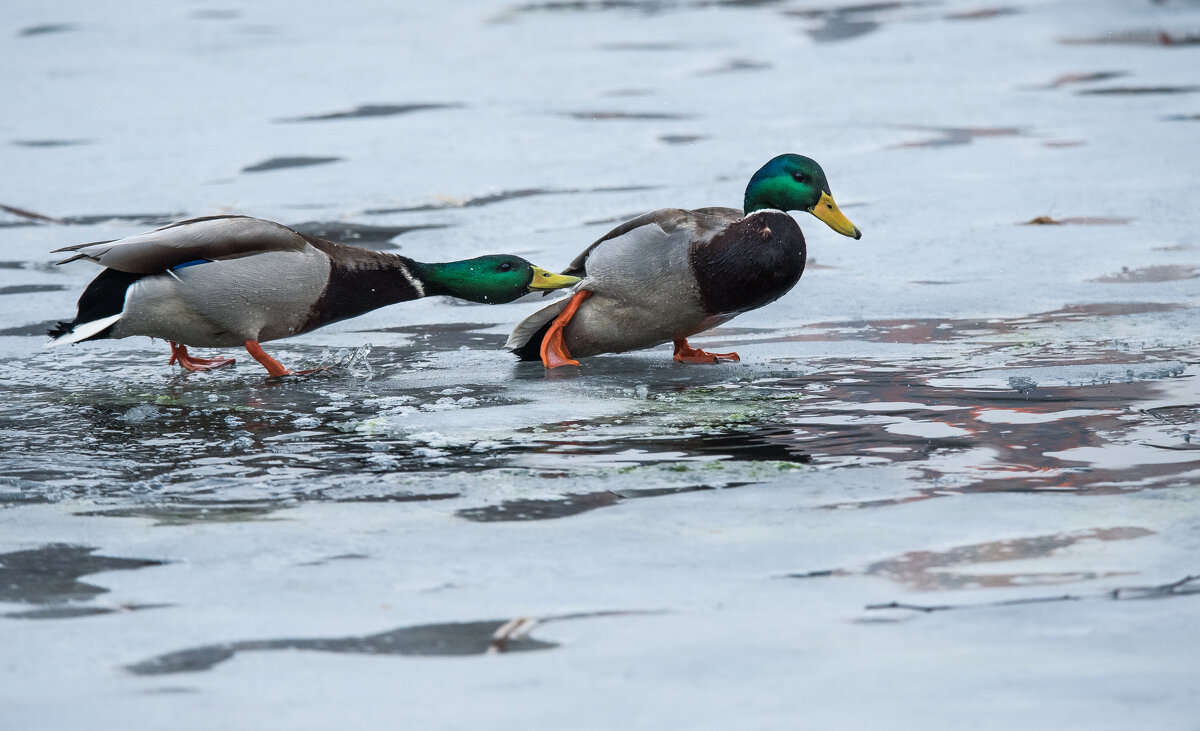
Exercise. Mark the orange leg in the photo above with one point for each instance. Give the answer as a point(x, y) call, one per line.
point(554, 350)
point(179, 354)
point(274, 367)
point(685, 353)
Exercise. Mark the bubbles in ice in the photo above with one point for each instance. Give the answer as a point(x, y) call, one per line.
point(1022, 384)
point(383, 462)
point(446, 403)
point(239, 444)
point(432, 439)
point(145, 412)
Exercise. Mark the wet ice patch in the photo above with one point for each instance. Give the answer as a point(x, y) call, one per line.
point(846, 22)
point(950, 136)
point(431, 640)
point(280, 163)
point(360, 234)
point(1157, 273)
point(1139, 90)
point(610, 115)
point(31, 288)
point(49, 574)
point(982, 13)
point(1077, 220)
point(1141, 37)
point(46, 29)
point(370, 110)
point(50, 143)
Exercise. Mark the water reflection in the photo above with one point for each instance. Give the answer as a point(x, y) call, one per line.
point(934, 570)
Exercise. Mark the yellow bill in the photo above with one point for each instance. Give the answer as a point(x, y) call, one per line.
point(544, 280)
point(829, 213)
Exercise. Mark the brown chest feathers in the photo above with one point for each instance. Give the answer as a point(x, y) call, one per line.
point(751, 263)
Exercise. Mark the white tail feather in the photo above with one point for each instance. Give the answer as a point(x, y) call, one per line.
point(85, 331)
point(530, 325)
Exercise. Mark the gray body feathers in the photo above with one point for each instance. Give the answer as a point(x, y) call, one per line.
point(220, 281)
point(225, 303)
point(644, 292)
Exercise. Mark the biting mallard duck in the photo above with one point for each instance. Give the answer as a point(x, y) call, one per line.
point(237, 281)
point(669, 274)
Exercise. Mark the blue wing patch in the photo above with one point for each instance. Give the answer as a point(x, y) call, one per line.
point(192, 263)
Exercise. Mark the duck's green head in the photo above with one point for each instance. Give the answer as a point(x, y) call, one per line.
point(797, 183)
point(489, 280)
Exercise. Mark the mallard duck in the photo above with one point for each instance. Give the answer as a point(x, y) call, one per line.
point(669, 274)
point(225, 281)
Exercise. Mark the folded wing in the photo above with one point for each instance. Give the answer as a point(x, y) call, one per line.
point(699, 222)
point(199, 239)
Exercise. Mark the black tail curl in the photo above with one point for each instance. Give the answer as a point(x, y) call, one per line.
point(532, 349)
point(104, 297)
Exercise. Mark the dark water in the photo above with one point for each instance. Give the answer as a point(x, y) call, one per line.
point(197, 440)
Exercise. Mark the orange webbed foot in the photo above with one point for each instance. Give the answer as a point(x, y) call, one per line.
point(554, 348)
point(685, 353)
point(274, 367)
point(180, 357)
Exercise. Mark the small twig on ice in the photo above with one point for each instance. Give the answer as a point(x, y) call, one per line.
point(913, 607)
point(1156, 592)
point(1119, 594)
point(514, 629)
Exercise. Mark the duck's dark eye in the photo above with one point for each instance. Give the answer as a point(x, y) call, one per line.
point(505, 267)
point(800, 177)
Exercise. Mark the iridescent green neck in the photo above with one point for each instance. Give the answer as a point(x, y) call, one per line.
point(767, 193)
point(450, 278)
point(470, 279)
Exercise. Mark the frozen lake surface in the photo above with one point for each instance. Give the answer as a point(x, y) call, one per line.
point(952, 483)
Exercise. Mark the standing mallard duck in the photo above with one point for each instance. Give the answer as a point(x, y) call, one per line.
point(226, 281)
point(669, 274)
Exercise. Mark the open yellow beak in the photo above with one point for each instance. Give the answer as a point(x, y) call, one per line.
point(828, 212)
point(544, 280)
